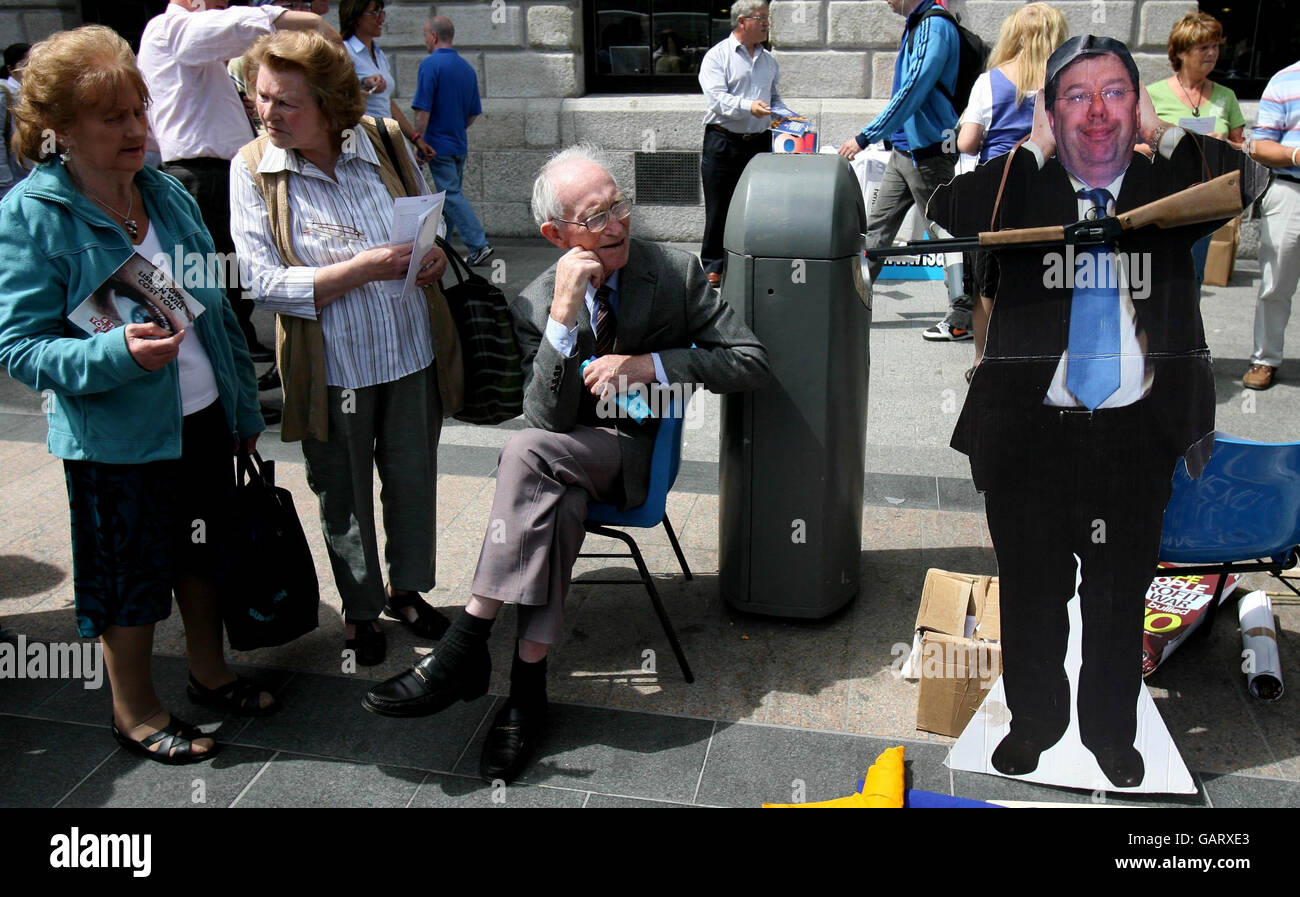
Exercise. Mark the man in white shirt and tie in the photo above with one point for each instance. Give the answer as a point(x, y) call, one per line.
point(196, 114)
point(739, 80)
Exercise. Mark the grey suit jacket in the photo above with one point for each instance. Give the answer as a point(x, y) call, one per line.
point(665, 306)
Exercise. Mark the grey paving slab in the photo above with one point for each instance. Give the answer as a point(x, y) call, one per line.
point(463, 792)
point(295, 781)
point(896, 490)
point(42, 760)
point(611, 801)
point(127, 780)
point(751, 764)
point(697, 476)
point(1249, 792)
point(957, 494)
point(22, 696)
point(468, 460)
point(613, 751)
point(322, 716)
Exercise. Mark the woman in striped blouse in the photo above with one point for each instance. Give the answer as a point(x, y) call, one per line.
point(318, 257)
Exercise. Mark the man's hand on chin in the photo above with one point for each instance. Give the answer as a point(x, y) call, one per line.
point(605, 371)
point(575, 269)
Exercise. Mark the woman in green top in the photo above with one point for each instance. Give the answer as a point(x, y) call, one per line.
point(1192, 100)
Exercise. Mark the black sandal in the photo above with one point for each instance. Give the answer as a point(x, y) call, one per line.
point(241, 697)
point(175, 743)
point(428, 623)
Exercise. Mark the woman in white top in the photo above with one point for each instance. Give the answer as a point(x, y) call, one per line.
point(1000, 112)
point(360, 22)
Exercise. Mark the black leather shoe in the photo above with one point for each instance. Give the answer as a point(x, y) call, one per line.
point(269, 380)
point(259, 353)
point(1123, 765)
point(1016, 755)
point(511, 740)
point(369, 643)
point(429, 687)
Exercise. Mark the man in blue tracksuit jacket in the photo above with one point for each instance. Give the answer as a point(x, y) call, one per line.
point(919, 128)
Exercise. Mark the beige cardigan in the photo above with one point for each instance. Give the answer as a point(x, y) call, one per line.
point(300, 343)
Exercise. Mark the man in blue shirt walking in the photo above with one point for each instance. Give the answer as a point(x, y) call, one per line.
point(918, 127)
point(446, 103)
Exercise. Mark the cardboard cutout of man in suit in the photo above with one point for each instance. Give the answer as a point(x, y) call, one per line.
point(648, 314)
point(1093, 384)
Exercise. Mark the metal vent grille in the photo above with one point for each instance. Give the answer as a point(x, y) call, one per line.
point(668, 179)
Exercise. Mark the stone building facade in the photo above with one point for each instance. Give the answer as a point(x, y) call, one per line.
point(836, 57)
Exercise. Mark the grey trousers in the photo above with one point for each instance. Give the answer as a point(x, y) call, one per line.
point(906, 184)
point(1279, 263)
point(393, 426)
point(544, 481)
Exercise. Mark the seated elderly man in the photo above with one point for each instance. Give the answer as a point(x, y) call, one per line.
point(647, 314)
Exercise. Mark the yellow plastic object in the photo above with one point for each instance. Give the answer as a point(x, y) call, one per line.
point(883, 787)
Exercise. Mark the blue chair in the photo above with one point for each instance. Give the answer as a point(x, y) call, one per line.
point(1241, 516)
point(664, 463)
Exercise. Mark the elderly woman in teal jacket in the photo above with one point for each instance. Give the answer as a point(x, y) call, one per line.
point(146, 419)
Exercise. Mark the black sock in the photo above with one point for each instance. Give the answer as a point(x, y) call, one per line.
point(528, 681)
point(467, 636)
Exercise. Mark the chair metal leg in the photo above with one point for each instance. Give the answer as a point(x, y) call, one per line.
point(677, 548)
point(649, 583)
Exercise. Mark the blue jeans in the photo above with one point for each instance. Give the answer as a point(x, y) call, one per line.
point(447, 172)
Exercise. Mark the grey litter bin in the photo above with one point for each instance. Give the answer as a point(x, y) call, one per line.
point(791, 462)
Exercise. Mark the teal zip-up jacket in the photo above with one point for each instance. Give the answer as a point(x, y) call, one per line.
point(56, 248)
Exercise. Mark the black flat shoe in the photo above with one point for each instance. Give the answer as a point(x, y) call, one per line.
point(175, 743)
point(1123, 766)
point(369, 644)
point(1017, 756)
point(269, 380)
point(428, 623)
point(429, 687)
point(510, 743)
point(242, 697)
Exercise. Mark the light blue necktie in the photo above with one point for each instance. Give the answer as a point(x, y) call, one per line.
point(1093, 370)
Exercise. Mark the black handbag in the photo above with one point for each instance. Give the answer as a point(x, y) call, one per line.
point(494, 376)
point(272, 596)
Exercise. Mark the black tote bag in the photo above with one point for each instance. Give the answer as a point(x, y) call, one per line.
point(272, 594)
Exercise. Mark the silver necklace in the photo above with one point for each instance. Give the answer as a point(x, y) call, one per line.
point(128, 222)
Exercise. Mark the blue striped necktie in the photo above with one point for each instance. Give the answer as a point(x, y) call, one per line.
point(1092, 373)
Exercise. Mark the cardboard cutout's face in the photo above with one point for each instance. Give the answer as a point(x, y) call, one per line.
point(1095, 119)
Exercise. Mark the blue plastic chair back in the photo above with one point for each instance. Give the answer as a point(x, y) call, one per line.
point(665, 461)
point(1246, 504)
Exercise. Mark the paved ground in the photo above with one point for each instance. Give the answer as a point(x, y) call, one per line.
point(774, 702)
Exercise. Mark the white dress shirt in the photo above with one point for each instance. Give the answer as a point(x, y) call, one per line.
point(373, 334)
point(378, 103)
point(1135, 372)
point(196, 111)
point(731, 80)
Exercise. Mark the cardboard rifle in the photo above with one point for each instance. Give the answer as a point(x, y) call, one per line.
point(1214, 200)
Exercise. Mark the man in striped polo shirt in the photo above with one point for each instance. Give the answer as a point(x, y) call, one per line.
point(1276, 144)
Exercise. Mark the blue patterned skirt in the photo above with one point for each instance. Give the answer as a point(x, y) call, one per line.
point(138, 528)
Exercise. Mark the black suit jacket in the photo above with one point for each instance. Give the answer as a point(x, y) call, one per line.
point(1029, 327)
point(665, 306)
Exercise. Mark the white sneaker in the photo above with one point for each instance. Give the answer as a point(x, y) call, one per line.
point(474, 259)
point(945, 331)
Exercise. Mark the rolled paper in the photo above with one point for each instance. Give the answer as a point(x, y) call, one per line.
point(1263, 665)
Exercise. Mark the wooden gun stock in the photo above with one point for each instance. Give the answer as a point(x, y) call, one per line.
point(1211, 201)
point(1053, 234)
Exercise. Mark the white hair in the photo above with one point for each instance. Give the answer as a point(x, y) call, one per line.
point(546, 202)
point(744, 8)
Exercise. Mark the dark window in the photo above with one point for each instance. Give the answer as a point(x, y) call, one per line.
point(1260, 39)
point(126, 17)
point(649, 46)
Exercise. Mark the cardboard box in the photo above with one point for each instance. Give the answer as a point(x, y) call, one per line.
point(1222, 257)
point(957, 635)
